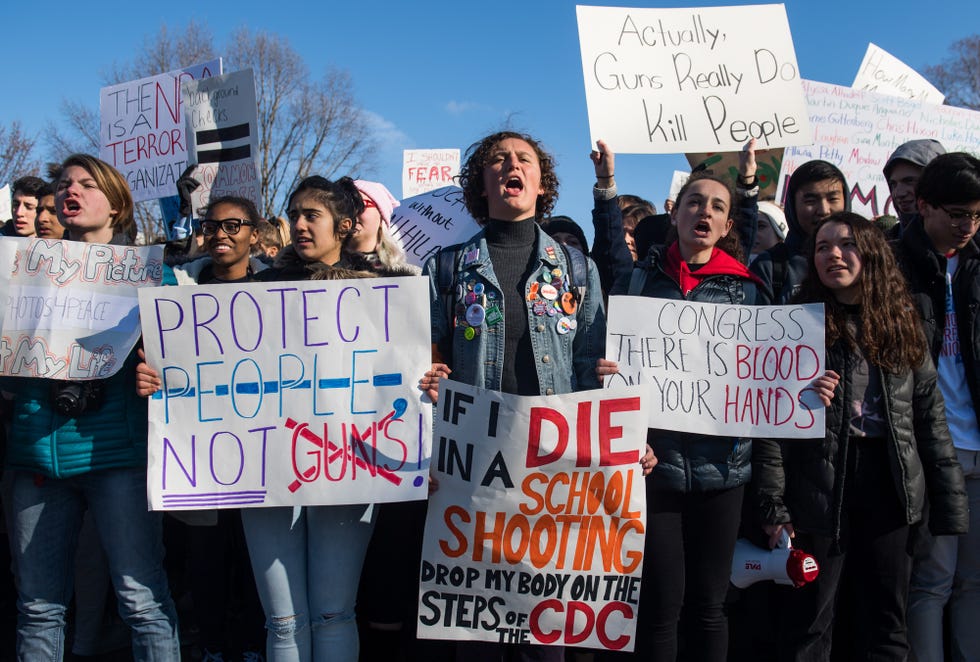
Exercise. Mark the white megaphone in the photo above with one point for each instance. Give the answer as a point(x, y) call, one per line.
point(783, 565)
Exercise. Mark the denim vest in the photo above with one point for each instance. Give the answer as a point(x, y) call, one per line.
point(564, 361)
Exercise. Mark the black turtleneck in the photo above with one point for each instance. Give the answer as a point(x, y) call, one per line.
point(512, 252)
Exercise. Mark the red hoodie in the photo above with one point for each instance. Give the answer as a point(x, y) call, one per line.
point(719, 264)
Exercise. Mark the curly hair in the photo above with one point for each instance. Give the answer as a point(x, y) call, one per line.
point(470, 176)
point(730, 243)
point(889, 332)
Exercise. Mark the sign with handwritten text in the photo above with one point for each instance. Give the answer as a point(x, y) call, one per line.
point(6, 212)
point(536, 532)
point(428, 169)
point(884, 73)
point(223, 138)
point(142, 132)
point(68, 309)
point(288, 393)
point(721, 369)
point(857, 131)
point(427, 222)
point(660, 81)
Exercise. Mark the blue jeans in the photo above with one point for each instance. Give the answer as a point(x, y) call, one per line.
point(947, 569)
point(307, 565)
point(44, 518)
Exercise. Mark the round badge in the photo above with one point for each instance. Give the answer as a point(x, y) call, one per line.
point(475, 315)
point(470, 333)
point(573, 323)
point(478, 289)
point(470, 298)
point(568, 303)
point(563, 325)
point(539, 307)
point(546, 276)
point(556, 272)
point(459, 292)
point(549, 292)
point(551, 311)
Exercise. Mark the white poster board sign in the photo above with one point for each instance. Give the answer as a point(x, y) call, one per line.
point(741, 371)
point(857, 131)
point(70, 308)
point(425, 170)
point(288, 393)
point(661, 81)
point(536, 532)
point(882, 72)
point(676, 183)
point(142, 133)
point(427, 222)
point(6, 203)
point(223, 137)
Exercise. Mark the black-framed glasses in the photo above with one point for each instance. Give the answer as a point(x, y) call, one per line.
point(957, 216)
point(229, 226)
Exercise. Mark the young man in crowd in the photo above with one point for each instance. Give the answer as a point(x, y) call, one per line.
point(902, 172)
point(23, 206)
point(816, 190)
point(940, 257)
point(46, 223)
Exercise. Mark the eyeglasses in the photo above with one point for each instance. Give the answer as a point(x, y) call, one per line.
point(957, 216)
point(229, 226)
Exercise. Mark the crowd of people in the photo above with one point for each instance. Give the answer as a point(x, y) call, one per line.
point(886, 500)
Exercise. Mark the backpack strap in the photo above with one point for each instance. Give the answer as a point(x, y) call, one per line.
point(578, 270)
point(446, 260)
point(638, 279)
point(780, 258)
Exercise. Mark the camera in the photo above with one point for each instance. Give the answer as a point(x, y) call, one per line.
point(73, 399)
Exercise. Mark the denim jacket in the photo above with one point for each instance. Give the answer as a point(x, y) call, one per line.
point(564, 361)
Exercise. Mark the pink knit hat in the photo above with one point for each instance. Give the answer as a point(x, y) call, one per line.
point(382, 197)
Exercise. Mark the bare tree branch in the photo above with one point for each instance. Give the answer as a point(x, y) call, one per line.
point(958, 76)
point(17, 157)
point(306, 125)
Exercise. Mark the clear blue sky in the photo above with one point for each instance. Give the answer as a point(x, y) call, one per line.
point(442, 74)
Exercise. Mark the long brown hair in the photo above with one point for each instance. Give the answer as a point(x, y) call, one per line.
point(889, 332)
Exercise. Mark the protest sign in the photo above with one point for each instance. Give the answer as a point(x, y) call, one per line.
point(288, 393)
point(725, 165)
point(70, 307)
point(884, 73)
point(857, 131)
point(427, 222)
point(721, 369)
point(677, 182)
point(142, 133)
point(690, 80)
point(6, 212)
point(425, 170)
point(536, 532)
point(223, 137)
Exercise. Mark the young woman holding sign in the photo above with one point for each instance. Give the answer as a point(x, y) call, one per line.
point(850, 497)
point(307, 561)
point(694, 495)
point(82, 445)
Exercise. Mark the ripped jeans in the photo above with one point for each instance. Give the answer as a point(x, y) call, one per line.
point(307, 564)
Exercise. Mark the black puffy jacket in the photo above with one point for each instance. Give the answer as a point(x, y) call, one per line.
point(689, 462)
point(801, 480)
